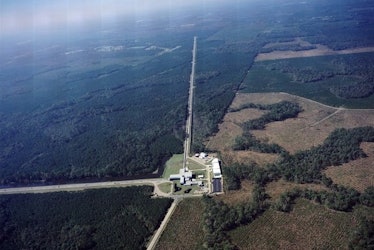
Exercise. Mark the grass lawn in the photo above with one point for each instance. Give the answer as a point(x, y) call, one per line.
point(165, 187)
point(173, 165)
point(194, 165)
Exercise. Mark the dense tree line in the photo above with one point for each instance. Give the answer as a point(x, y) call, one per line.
point(363, 236)
point(117, 218)
point(247, 141)
point(341, 146)
point(359, 90)
point(220, 218)
point(339, 198)
point(235, 173)
point(276, 112)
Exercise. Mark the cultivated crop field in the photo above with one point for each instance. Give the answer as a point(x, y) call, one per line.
point(185, 228)
point(308, 226)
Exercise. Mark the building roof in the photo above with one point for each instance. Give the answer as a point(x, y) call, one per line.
point(216, 168)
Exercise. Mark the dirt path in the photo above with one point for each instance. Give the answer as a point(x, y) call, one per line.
point(327, 117)
point(157, 235)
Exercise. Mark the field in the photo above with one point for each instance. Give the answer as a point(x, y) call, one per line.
point(308, 226)
point(309, 129)
point(240, 196)
point(357, 174)
point(173, 165)
point(185, 228)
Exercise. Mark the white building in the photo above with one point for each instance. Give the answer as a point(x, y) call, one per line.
point(216, 169)
point(183, 176)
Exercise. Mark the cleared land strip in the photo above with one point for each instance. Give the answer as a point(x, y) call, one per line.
point(187, 142)
point(327, 117)
point(80, 186)
point(157, 235)
point(319, 51)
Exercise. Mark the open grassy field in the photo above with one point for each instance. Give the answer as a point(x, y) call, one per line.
point(321, 50)
point(357, 174)
point(308, 226)
point(185, 228)
point(173, 165)
point(311, 127)
point(238, 196)
point(165, 187)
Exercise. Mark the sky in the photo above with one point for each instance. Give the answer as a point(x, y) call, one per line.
point(25, 15)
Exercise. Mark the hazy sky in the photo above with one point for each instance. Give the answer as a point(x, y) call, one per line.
point(22, 15)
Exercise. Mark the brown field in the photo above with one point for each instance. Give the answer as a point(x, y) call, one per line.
point(239, 196)
point(358, 174)
point(312, 126)
point(321, 50)
point(309, 129)
point(185, 228)
point(308, 226)
point(276, 188)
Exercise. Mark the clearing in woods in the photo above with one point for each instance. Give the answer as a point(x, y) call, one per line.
point(357, 174)
point(309, 129)
point(236, 197)
point(185, 228)
point(320, 50)
point(308, 226)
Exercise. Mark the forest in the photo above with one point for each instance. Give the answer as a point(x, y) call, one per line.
point(116, 218)
point(114, 106)
point(336, 80)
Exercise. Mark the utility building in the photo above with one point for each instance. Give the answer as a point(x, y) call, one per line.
point(217, 174)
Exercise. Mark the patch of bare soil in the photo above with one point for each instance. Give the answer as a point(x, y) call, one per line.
point(357, 174)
